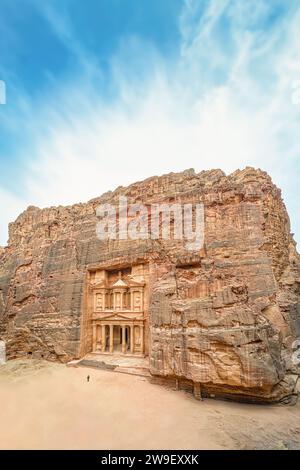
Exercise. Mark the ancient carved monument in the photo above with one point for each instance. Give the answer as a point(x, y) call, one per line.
point(222, 319)
point(117, 310)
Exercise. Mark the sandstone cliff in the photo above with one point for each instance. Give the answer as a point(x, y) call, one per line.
point(225, 316)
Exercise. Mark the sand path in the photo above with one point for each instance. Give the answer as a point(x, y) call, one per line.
point(51, 406)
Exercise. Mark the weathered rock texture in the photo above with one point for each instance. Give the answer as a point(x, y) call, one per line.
point(224, 317)
point(2, 353)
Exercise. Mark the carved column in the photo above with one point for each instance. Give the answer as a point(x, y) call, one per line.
point(197, 391)
point(111, 338)
point(103, 338)
point(131, 300)
point(132, 339)
point(98, 337)
point(142, 300)
point(142, 338)
point(123, 340)
point(94, 336)
point(128, 301)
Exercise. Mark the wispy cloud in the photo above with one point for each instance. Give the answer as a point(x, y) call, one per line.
point(11, 207)
point(223, 101)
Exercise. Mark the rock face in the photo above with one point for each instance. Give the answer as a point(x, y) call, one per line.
point(2, 353)
point(225, 316)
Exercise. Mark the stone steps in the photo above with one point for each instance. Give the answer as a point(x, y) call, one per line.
point(114, 367)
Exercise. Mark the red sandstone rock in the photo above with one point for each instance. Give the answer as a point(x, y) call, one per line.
point(225, 316)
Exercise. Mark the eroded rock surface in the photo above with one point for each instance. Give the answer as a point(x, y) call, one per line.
point(225, 316)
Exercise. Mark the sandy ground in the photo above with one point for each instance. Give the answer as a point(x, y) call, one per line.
point(52, 406)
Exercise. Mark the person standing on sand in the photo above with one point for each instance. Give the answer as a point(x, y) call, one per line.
point(88, 378)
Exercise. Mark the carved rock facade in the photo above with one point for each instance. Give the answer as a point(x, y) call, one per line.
point(224, 317)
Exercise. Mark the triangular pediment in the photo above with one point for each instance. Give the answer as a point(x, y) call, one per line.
point(120, 283)
point(117, 316)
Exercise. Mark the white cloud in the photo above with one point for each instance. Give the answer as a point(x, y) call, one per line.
point(168, 117)
point(108, 147)
point(11, 207)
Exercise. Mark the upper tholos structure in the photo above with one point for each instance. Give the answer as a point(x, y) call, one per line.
point(223, 317)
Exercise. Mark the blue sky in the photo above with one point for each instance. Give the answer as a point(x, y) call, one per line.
point(102, 93)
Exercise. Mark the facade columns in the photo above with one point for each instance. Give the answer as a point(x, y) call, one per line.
point(94, 337)
point(131, 300)
point(99, 336)
point(111, 338)
point(123, 340)
point(103, 338)
point(131, 339)
point(142, 300)
point(142, 338)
